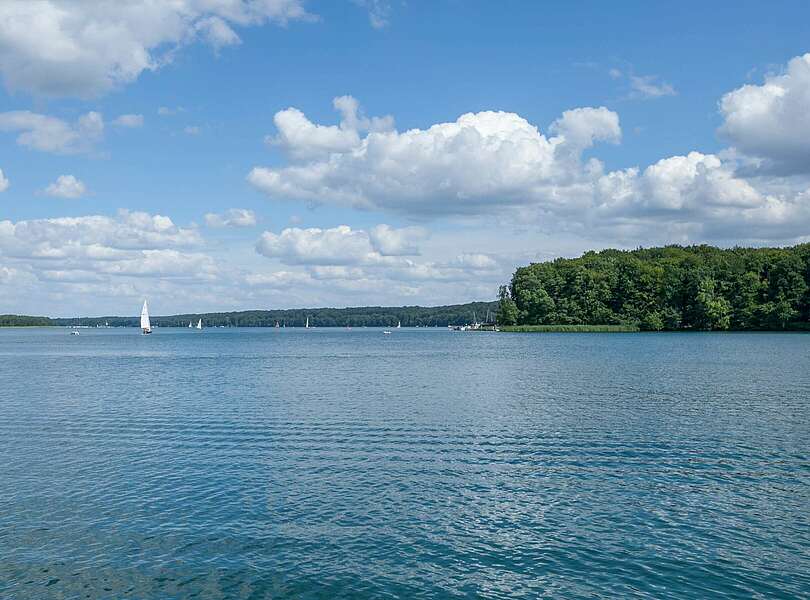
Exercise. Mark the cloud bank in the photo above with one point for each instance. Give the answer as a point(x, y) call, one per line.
point(496, 163)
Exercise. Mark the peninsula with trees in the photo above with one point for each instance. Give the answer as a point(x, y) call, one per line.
point(667, 288)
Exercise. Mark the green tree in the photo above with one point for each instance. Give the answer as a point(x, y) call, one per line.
point(507, 309)
point(712, 310)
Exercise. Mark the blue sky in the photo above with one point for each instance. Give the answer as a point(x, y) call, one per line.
point(590, 125)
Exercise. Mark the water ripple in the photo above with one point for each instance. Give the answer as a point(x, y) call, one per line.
point(334, 464)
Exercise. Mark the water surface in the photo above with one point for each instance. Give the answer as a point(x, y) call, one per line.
point(325, 463)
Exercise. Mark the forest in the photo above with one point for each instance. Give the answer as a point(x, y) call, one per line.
point(666, 288)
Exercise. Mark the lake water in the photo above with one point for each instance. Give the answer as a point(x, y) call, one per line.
point(262, 463)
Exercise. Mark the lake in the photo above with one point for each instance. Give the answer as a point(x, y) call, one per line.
point(330, 463)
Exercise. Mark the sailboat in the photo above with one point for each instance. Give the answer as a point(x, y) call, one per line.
point(399, 324)
point(146, 327)
point(199, 324)
point(306, 325)
point(190, 325)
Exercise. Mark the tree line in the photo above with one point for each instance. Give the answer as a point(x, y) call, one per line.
point(666, 288)
point(367, 316)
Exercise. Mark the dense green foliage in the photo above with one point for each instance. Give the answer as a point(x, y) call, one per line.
point(369, 316)
point(24, 321)
point(570, 328)
point(674, 287)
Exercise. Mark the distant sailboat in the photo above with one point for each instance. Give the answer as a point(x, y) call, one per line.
point(190, 325)
point(306, 325)
point(399, 324)
point(146, 327)
point(199, 324)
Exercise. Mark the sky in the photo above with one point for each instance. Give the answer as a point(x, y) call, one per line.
point(215, 155)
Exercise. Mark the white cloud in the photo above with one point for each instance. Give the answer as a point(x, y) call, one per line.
point(192, 130)
point(496, 163)
point(771, 121)
point(50, 134)
point(648, 86)
point(66, 186)
point(469, 166)
point(82, 259)
point(579, 128)
point(301, 139)
point(217, 32)
point(396, 242)
point(474, 261)
point(3, 182)
point(314, 246)
point(130, 121)
point(381, 245)
point(99, 237)
point(65, 47)
point(233, 217)
point(347, 261)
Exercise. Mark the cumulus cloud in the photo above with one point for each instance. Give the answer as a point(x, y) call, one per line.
point(580, 128)
point(97, 255)
point(233, 217)
point(50, 134)
point(130, 121)
point(64, 47)
point(301, 139)
point(497, 163)
point(771, 122)
point(96, 236)
point(342, 245)
point(66, 186)
point(314, 246)
point(376, 261)
point(3, 182)
point(464, 167)
point(389, 241)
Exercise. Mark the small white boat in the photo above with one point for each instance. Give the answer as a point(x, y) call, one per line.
point(399, 324)
point(146, 327)
point(199, 324)
point(190, 325)
point(74, 332)
point(386, 332)
point(306, 325)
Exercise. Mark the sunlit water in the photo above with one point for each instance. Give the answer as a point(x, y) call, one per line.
point(261, 463)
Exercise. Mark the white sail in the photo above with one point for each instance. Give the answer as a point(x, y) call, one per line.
point(146, 327)
point(189, 324)
point(307, 323)
point(399, 324)
point(199, 324)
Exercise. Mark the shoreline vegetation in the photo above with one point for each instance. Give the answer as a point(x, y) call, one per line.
point(569, 328)
point(671, 288)
point(366, 316)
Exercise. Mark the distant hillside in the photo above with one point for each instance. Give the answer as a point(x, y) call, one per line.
point(674, 287)
point(24, 321)
point(366, 316)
